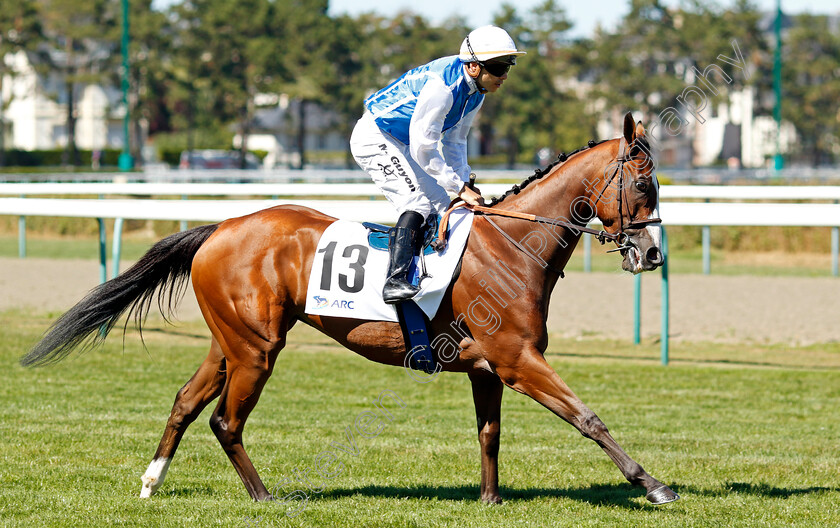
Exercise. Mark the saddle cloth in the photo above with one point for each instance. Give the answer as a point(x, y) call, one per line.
point(347, 275)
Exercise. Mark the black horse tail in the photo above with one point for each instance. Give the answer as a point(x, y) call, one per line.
point(165, 267)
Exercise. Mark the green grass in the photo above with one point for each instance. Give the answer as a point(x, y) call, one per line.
point(86, 248)
point(747, 434)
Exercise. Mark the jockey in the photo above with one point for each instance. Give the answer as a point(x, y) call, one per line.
point(412, 140)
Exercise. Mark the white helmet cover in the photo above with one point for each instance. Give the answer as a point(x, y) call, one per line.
point(488, 42)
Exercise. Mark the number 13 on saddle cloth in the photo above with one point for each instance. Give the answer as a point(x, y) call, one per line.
point(348, 275)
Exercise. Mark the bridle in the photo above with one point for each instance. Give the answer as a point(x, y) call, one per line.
point(621, 238)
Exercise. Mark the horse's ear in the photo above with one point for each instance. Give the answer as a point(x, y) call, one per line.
point(640, 129)
point(629, 128)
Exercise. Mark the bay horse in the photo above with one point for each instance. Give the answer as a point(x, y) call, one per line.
point(250, 277)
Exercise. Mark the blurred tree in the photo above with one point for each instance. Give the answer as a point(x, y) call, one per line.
point(555, 106)
point(635, 67)
point(346, 86)
point(409, 40)
point(743, 22)
point(537, 106)
point(150, 50)
point(811, 87)
point(239, 43)
point(303, 67)
point(337, 62)
point(197, 68)
point(20, 30)
point(370, 51)
point(188, 96)
point(707, 31)
point(500, 121)
point(222, 51)
point(84, 32)
point(657, 52)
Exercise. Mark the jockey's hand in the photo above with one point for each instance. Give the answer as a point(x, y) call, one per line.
point(471, 195)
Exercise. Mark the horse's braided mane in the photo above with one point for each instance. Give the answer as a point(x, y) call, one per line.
point(539, 173)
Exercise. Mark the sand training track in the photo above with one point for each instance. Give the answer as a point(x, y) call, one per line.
point(788, 310)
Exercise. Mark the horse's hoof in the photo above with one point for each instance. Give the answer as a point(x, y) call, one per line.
point(662, 495)
point(150, 486)
point(491, 499)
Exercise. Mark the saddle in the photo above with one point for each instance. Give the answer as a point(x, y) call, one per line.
point(347, 276)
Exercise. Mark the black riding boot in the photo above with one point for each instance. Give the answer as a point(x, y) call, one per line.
point(402, 244)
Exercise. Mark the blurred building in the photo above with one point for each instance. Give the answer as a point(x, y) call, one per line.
point(35, 100)
point(733, 132)
point(276, 129)
point(720, 123)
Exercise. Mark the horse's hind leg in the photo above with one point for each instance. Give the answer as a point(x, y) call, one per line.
point(487, 395)
point(534, 377)
point(249, 365)
point(205, 385)
point(239, 397)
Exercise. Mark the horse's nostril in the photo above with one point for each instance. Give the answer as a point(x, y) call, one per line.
point(654, 256)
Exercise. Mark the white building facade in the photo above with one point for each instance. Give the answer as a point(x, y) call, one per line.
point(733, 131)
point(35, 115)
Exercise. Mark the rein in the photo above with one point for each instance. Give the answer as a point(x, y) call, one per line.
point(621, 238)
point(522, 248)
point(439, 244)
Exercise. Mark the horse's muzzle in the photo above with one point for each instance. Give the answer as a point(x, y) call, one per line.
point(638, 258)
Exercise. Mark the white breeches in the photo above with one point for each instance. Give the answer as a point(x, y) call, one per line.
point(389, 163)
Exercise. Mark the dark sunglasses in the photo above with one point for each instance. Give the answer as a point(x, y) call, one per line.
point(496, 69)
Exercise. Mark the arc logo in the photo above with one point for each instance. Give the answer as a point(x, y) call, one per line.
point(323, 302)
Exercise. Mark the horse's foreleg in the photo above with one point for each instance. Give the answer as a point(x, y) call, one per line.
point(534, 377)
point(487, 395)
point(201, 389)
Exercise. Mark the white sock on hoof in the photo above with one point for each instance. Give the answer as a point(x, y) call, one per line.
point(154, 476)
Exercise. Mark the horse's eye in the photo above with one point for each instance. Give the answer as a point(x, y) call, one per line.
point(642, 186)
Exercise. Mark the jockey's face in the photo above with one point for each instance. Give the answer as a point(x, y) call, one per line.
point(484, 79)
